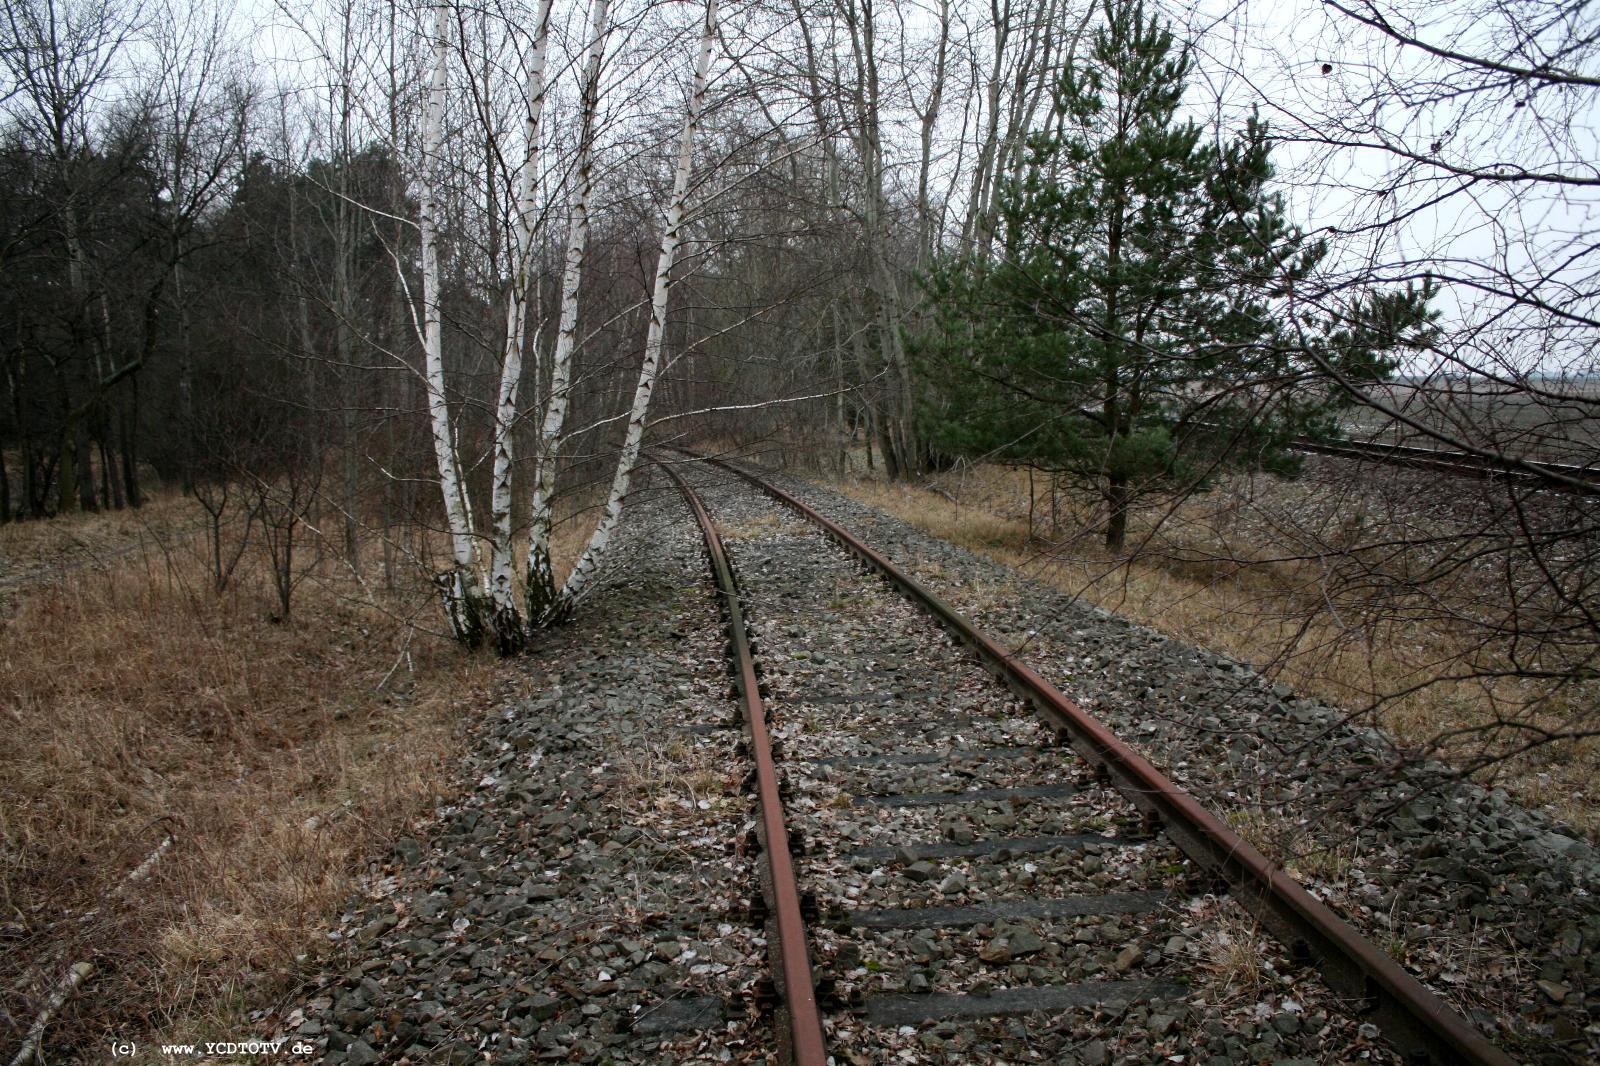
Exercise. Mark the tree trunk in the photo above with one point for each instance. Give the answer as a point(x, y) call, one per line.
point(583, 571)
point(897, 416)
point(24, 436)
point(186, 417)
point(459, 588)
point(1030, 505)
point(35, 481)
point(928, 118)
point(82, 448)
point(42, 470)
point(876, 430)
point(975, 228)
point(130, 444)
point(844, 433)
point(1117, 499)
point(510, 632)
point(110, 483)
point(349, 397)
point(1112, 405)
point(544, 599)
point(5, 490)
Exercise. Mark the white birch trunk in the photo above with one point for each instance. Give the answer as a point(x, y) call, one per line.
point(29, 1052)
point(540, 578)
point(461, 596)
point(508, 625)
point(583, 572)
point(81, 972)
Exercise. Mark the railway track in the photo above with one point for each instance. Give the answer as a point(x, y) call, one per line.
point(952, 851)
point(1556, 477)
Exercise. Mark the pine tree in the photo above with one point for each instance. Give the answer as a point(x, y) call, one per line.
point(1134, 329)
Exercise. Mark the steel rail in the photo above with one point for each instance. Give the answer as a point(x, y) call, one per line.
point(799, 1023)
point(1422, 1026)
point(1543, 474)
point(1555, 477)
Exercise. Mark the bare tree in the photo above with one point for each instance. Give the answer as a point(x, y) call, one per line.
point(61, 59)
point(461, 586)
point(671, 237)
point(507, 623)
point(543, 596)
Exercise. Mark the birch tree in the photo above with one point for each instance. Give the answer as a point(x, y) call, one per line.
point(672, 235)
point(461, 586)
point(480, 599)
point(858, 75)
point(544, 600)
point(508, 624)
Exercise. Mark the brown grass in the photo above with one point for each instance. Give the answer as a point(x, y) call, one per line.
point(280, 757)
point(77, 541)
point(1204, 588)
point(1231, 957)
point(771, 524)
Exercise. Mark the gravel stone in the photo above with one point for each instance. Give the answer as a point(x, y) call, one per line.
point(409, 850)
point(591, 825)
point(594, 866)
point(360, 1053)
point(895, 742)
point(1428, 866)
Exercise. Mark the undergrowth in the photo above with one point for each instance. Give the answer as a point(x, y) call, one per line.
point(279, 756)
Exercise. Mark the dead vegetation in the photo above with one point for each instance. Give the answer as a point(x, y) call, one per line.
point(35, 549)
point(1246, 571)
point(775, 524)
point(1233, 957)
point(279, 755)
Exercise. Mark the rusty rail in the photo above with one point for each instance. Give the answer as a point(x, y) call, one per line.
point(1554, 477)
point(799, 1023)
point(1418, 1023)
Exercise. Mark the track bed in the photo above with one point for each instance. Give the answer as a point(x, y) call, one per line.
point(976, 892)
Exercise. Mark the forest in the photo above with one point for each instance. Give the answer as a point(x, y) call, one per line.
point(340, 340)
point(425, 280)
point(346, 250)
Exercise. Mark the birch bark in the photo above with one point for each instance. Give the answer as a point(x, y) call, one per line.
point(508, 625)
point(588, 563)
point(543, 597)
point(459, 587)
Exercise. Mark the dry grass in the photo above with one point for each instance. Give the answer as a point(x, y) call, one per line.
point(280, 758)
point(771, 524)
point(76, 541)
point(659, 777)
point(1232, 959)
point(1217, 591)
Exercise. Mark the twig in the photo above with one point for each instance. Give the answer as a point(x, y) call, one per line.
point(142, 871)
point(403, 657)
point(29, 1052)
point(81, 971)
